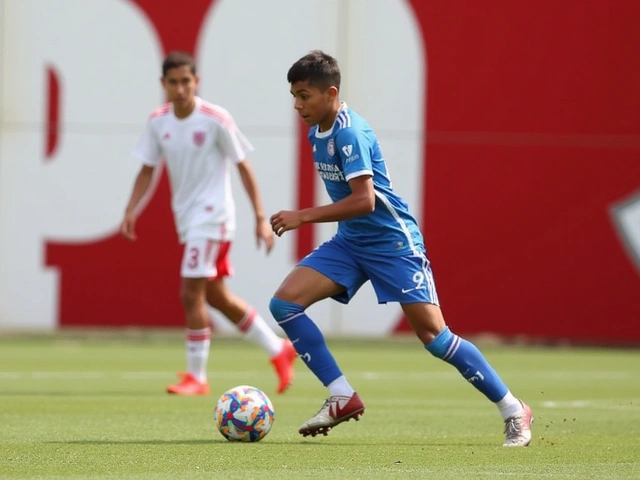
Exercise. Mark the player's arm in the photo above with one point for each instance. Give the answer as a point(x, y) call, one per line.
point(250, 184)
point(355, 156)
point(236, 146)
point(140, 188)
point(360, 202)
point(148, 152)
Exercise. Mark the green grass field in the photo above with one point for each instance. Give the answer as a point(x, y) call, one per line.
point(92, 406)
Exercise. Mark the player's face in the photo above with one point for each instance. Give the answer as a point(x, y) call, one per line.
point(313, 104)
point(181, 85)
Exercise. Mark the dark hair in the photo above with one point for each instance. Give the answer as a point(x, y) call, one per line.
point(317, 68)
point(178, 59)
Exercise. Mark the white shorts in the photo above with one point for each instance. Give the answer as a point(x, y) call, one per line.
point(206, 258)
point(219, 232)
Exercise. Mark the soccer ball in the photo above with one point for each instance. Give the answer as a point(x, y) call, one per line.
point(244, 414)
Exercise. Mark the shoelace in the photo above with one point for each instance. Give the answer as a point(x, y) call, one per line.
point(513, 427)
point(326, 404)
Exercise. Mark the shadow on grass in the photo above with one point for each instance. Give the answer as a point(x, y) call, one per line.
point(45, 393)
point(193, 441)
point(315, 444)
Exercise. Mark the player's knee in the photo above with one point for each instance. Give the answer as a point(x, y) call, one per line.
point(282, 309)
point(427, 335)
point(289, 292)
point(425, 319)
point(283, 293)
point(440, 344)
point(191, 296)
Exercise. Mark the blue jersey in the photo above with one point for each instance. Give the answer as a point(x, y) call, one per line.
point(348, 150)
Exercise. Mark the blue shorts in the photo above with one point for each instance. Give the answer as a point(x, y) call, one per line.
point(404, 279)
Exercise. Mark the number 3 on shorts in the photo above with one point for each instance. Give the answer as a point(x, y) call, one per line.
point(198, 259)
point(192, 255)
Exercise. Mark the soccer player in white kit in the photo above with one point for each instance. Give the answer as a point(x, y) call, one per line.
point(199, 143)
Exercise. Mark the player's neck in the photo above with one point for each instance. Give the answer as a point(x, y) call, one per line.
point(184, 112)
point(330, 119)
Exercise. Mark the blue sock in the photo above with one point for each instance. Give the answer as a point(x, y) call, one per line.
point(307, 339)
point(470, 363)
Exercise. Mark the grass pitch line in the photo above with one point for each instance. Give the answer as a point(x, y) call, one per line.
point(370, 376)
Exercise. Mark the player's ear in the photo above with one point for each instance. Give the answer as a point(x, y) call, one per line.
point(163, 82)
point(197, 80)
point(333, 92)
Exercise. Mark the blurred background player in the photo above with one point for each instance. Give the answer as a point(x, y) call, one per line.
point(378, 240)
point(199, 142)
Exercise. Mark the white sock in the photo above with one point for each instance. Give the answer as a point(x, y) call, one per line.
point(258, 331)
point(509, 406)
point(198, 343)
point(340, 386)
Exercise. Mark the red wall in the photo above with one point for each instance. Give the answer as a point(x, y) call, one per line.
point(533, 132)
point(524, 108)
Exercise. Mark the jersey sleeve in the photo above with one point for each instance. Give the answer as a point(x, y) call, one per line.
point(354, 153)
point(148, 148)
point(232, 141)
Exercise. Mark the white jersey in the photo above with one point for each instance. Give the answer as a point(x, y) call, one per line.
point(198, 152)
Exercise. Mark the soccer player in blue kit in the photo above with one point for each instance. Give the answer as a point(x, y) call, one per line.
point(377, 240)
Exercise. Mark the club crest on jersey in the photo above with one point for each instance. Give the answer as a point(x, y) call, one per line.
point(331, 147)
point(198, 138)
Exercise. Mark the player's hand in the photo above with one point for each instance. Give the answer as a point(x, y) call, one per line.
point(127, 228)
point(264, 235)
point(285, 220)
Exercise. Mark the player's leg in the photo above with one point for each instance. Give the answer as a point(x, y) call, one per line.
point(409, 280)
point(326, 272)
point(428, 323)
point(195, 271)
point(252, 325)
point(303, 287)
point(244, 316)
